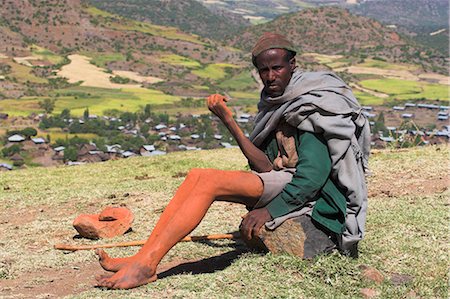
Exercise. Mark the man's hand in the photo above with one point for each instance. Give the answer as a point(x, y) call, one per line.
point(216, 104)
point(253, 222)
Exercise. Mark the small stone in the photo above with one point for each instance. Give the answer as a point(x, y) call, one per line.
point(126, 194)
point(112, 196)
point(399, 279)
point(369, 293)
point(373, 274)
point(111, 222)
point(412, 295)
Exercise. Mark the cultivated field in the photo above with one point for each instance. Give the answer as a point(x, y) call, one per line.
point(406, 238)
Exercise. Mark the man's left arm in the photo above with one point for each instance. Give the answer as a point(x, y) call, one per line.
point(312, 172)
point(313, 169)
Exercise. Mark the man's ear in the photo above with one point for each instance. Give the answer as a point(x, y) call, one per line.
point(292, 62)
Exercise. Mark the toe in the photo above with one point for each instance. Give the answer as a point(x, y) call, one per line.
point(101, 254)
point(102, 277)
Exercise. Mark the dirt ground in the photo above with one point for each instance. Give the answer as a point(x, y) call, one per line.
point(401, 177)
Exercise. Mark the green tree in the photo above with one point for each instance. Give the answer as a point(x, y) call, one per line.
point(65, 114)
point(70, 153)
point(28, 132)
point(48, 105)
point(379, 124)
point(9, 151)
point(86, 114)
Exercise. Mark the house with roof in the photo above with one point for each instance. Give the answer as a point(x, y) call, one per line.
point(16, 138)
point(5, 167)
point(146, 150)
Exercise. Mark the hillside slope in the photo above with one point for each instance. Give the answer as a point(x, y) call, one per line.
point(113, 42)
point(421, 18)
point(188, 15)
point(332, 30)
point(406, 234)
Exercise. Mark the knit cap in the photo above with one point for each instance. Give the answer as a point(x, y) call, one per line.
point(270, 40)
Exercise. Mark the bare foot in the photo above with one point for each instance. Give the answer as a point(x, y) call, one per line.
point(132, 275)
point(111, 264)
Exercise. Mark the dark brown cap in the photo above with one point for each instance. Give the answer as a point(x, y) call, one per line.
point(271, 40)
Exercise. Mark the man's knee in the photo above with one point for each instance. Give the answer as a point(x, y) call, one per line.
point(202, 173)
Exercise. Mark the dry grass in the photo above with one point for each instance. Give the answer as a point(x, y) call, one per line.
point(407, 231)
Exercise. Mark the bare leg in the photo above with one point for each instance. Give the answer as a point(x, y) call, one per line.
point(182, 215)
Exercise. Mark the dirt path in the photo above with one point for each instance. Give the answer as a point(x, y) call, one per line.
point(369, 91)
point(57, 283)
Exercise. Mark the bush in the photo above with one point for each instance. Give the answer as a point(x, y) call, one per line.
point(9, 151)
point(70, 153)
point(28, 132)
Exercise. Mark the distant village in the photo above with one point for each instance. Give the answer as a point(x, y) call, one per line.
point(197, 132)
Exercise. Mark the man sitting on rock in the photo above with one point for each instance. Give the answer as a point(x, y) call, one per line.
point(308, 153)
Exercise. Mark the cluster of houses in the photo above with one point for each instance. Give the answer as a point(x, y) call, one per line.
point(440, 134)
point(171, 138)
point(181, 137)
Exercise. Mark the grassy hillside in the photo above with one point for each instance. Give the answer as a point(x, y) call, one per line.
point(406, 239)
point(421, 17)
point(332, 30)
point(190, 16)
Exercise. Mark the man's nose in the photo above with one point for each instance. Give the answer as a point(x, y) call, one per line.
point(272, 75)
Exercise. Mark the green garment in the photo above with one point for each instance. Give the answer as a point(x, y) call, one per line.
point(311, 182)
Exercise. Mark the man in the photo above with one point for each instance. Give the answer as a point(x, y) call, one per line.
point(306, 157)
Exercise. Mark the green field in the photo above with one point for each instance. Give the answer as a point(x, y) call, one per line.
point(120, 23)
point(214, 71)
point(174, 59)
point(387, 65)
point(406, 233)
point(242, 81)
point(367, 99)
point(102, 59)
point(245, 95)
point(23, 74)
point(406, 90)
point(46, 54)
point(77, 99)
point(57, 133)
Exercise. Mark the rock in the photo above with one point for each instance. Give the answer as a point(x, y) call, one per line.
point(297, 236)
point(412, 295)
point(369, 293)
point(372, 274)
point(111, 222)
point(399, 279)
point(113, 213)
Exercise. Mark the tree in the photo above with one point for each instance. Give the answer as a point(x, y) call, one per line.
point(9, 151)
point(48, 105)
point(28, 132)
point(86, 114)
point(70, 153)
point(379, 124)
point(65, 114)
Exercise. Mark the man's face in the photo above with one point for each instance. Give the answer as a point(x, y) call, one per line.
point(275, 70)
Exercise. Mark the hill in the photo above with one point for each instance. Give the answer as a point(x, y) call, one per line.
point(420, 18)
point(332, 30)
point(189, 16)
point(43, 34)
point(406, 234)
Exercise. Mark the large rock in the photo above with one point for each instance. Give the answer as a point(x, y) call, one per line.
point(111, 222)
point(297, 236)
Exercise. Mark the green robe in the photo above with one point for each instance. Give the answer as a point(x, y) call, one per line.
point(311, 182)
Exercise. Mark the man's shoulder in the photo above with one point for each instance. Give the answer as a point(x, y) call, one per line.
point(322, 75)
